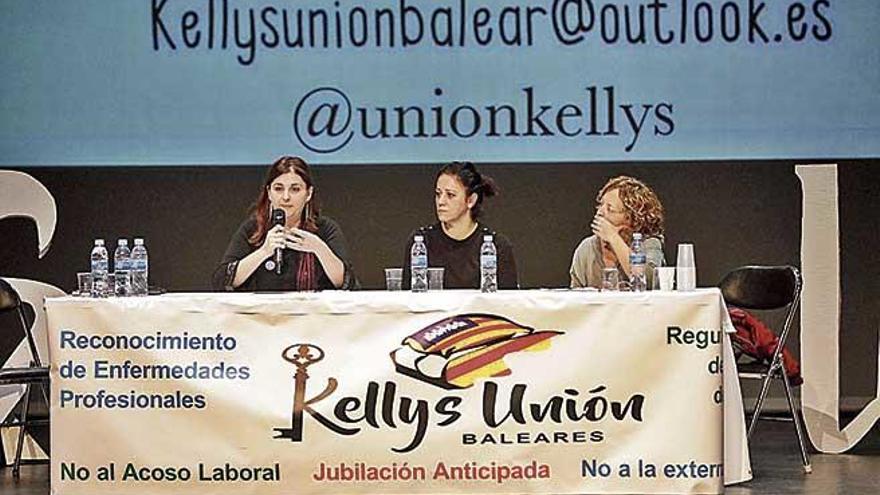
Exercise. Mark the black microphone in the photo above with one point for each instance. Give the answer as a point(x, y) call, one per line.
point(278, 218)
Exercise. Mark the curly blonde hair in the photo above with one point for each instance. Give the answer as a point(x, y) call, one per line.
point(643, 207)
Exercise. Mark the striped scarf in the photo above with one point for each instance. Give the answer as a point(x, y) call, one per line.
point(305, 273)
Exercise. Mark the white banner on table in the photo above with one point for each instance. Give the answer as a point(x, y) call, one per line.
point(453, 392)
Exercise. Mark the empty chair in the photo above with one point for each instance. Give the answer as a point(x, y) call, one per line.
point(36, 373)
point(768, 288)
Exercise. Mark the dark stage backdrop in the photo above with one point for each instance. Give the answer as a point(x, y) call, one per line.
point(735, 213)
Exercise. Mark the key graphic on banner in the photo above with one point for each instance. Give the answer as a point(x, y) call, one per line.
point(302, 359)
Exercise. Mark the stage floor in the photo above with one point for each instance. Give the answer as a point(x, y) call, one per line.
point(775, 462)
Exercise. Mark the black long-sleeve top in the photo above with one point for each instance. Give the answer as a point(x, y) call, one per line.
point(461, 259)
point(267, 280)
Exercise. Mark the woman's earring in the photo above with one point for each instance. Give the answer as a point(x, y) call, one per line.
point(306, 219)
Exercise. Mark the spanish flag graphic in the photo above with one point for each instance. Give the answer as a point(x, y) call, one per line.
point(457, 351)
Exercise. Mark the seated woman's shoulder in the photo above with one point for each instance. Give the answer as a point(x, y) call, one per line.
point(590, 239)
point(428, 231)
point(325, 222)
point(247, 226)
point(587, 242)
point(654, 241)
point(328, 225)
point(498, 237)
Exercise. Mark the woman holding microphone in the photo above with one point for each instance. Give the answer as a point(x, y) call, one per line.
point(299, 251)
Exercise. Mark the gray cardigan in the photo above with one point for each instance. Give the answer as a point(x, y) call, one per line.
point(586, 264)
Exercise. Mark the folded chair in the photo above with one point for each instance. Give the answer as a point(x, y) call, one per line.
point(36, 373)
point(768, 288)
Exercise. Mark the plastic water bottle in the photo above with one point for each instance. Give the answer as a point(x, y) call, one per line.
point(122, 264)
point(419, 265)
point(100, 260)
point(637, 262)
point(122, 256)
point(140, 269)
point(488, 265)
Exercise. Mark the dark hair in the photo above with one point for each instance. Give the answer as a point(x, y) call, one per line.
point(474, 183)
point(260, 208)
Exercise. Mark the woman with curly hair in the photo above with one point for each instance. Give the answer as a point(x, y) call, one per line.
point(624, 205)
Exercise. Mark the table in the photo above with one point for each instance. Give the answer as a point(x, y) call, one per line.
point(534, 391)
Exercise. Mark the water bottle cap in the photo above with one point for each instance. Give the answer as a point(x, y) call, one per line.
point(419, 238)
point(138, 241)
point(99, 242)
point(487, 238)
point(123, 242)
point(637, 235)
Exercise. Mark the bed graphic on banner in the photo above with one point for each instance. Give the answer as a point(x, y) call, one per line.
point(538, 392)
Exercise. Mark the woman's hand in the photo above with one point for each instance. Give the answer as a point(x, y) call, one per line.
point(615, 251)
point(305, 241)
point(276, 238)
point(604, 229)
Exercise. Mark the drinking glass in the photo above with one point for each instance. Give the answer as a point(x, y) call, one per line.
point(393, 278)
point(435, 278)
point(686, 269)
point(84, 284)
point(123, 283)
point(610, 279)
point(664, 277)
point(111, 285)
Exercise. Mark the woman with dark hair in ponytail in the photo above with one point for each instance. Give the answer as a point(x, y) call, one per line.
point(454, 241)
point(313, 251)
